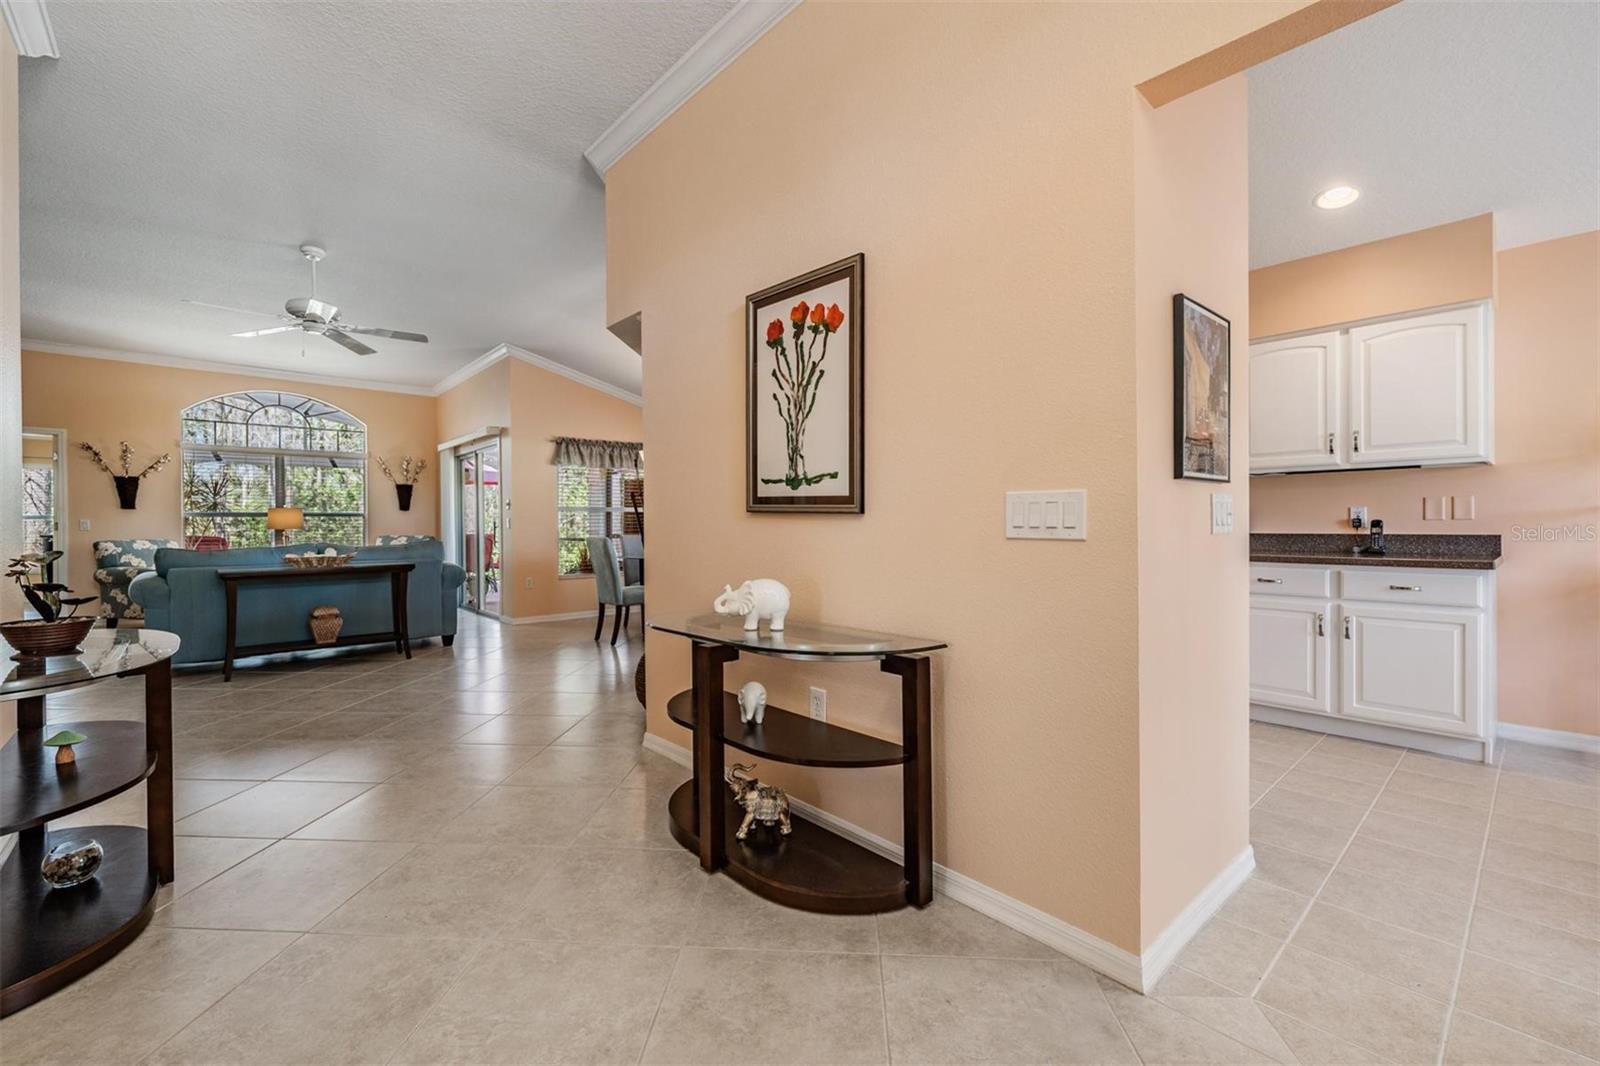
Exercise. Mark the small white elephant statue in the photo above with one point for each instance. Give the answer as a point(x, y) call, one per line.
point(758, 599)
point(753, 702)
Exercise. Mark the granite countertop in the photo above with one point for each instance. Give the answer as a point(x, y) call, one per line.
point(1472, 551)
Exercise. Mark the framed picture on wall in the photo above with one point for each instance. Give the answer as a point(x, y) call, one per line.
point(803, 404)
point(1201, 368)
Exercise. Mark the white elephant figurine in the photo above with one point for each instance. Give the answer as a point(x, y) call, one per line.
point(753, 702)
point(758, 599)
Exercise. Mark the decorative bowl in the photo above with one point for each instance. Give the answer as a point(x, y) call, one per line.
point(72, 862)
point(35, 639)
point(317, 562)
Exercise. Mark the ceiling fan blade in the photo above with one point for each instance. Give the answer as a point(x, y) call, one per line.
point(235, 310)
point(392, 334)
point(348, 341)
point(268, 331)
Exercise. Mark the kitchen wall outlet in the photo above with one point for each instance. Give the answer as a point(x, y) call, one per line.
point(1061, 514)
point(1358, 518)
point(1463, 507)
point(1433, 508)
point(1221, 512)
point(527, 582)
point(83, 525)
point(819, 703)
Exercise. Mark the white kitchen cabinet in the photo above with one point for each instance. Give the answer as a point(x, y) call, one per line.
point(1295, 402)
point(1289, 653)
point(1420, 390)
point(1394, 655)
point(1416, 390)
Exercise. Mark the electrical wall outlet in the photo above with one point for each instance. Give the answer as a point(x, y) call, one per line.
point(1463, 507)
point(83, 525)
point(527, 583)
point(1433, 508)
point(819, 703)
point(1358, 518)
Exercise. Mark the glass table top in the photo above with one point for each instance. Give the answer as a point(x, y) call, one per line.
point(799, 640)
point(105, 653)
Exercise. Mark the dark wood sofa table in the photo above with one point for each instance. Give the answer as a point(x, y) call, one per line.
point(399, 575)
point(51, 937)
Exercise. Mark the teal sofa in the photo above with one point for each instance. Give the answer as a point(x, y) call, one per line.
point(184, 595)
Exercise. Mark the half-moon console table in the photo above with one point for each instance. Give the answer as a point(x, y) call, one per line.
point(812, 869)
point(54, 936)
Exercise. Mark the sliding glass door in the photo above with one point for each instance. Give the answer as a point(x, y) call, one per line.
point(478, 524)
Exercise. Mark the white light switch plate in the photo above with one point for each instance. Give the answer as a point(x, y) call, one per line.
point(1221, 512)
point(1060, 514)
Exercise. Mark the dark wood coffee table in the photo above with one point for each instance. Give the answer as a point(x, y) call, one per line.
point(398, 574)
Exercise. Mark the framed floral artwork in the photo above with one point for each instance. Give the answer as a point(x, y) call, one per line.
point(803, 409)
point(1201, 370)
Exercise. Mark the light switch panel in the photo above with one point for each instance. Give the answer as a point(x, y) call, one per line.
point(1061, 514)
point(1221, 512)
point(1432, 508)
point(1463, 507)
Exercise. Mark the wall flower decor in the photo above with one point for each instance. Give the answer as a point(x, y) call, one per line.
point(405, 483)
point(127, 482)
point(803, 444)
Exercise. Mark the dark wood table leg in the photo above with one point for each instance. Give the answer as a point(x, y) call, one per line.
point(231, 594)
point(402, 617)
point(31, 843)
point(158, 789)
point(711, 792)
point(916, 721)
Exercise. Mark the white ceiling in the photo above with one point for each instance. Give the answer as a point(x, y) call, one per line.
point(185, 150)
point(1436, 111)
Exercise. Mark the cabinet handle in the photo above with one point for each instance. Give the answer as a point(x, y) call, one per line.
point(1406, 588)
point(1346, 627)
point(1269, 580)
point(1320, 631)
point(1355, 440)
point(1330, 443)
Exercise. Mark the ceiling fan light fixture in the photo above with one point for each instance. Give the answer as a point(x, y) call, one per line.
point(1338, 196)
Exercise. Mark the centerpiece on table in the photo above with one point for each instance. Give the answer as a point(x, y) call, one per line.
point(57, 630)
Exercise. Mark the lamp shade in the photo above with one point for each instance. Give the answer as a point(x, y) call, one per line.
point(286, 518)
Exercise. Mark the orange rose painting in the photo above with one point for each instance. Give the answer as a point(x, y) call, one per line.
point(804, 409)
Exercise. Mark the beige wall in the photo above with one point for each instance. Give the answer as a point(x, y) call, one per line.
point(533, 405)
point(1192, 226)
point(11, 602)
point(1546, 473)
point(1448, 264)
point(982, 157)
point(103, 402)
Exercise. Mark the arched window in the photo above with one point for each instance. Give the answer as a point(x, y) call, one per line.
point(249, 451)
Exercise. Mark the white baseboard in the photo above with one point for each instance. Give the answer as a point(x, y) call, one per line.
point(533, 619)
point(1139, 974)
point(1550, 738)
point(1453, 747)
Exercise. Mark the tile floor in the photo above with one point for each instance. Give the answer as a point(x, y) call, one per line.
point(464, 858)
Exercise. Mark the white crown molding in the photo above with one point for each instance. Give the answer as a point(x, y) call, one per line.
point(206, 366)
point(1138, 972)
point(30, 28)
point(511, 351)
point(723, 43)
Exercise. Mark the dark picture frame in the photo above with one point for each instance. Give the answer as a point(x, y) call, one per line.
point(788, 364)
point(1202, 392)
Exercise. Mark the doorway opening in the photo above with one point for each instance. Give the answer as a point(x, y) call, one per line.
point(479, 520)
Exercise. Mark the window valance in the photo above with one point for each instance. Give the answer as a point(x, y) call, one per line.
point(598, 454)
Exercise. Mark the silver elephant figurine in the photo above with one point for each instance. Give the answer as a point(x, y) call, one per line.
point(767, 804)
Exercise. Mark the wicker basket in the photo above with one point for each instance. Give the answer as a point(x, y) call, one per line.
point(317, 562)
point(325, 624)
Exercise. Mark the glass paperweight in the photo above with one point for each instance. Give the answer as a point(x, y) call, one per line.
point(72, 862)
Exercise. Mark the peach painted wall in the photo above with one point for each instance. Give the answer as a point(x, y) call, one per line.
point(1542, 494)
point(1448, 264)
point(982, 157)
point(11, 603)
point(1192, 232)
point(104, 401)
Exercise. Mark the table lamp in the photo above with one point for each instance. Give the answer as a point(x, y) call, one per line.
point(282, 519)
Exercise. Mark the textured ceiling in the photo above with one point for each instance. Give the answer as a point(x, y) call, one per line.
point(185, 150)
point(1435, 111)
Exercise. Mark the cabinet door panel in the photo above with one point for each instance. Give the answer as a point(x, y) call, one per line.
point(1294, 403)
point(1417, 667)
point(1289, 653)
point(1418, 389)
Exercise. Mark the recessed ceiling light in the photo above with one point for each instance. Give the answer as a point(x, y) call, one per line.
point(1337, 197)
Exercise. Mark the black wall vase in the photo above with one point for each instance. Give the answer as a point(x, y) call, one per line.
point(404, 494)
point(127, 491)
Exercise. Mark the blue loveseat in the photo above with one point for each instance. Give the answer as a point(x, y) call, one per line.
point(184, 595)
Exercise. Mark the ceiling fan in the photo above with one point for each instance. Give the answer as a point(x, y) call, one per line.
point(307, 314)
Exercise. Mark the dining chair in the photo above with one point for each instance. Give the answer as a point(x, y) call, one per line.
point(632, 559)
point(609, 589)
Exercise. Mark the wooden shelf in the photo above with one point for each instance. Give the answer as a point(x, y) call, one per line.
point(54, 936)
point(812, 869)
point(33, 790)
point(784, 736)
